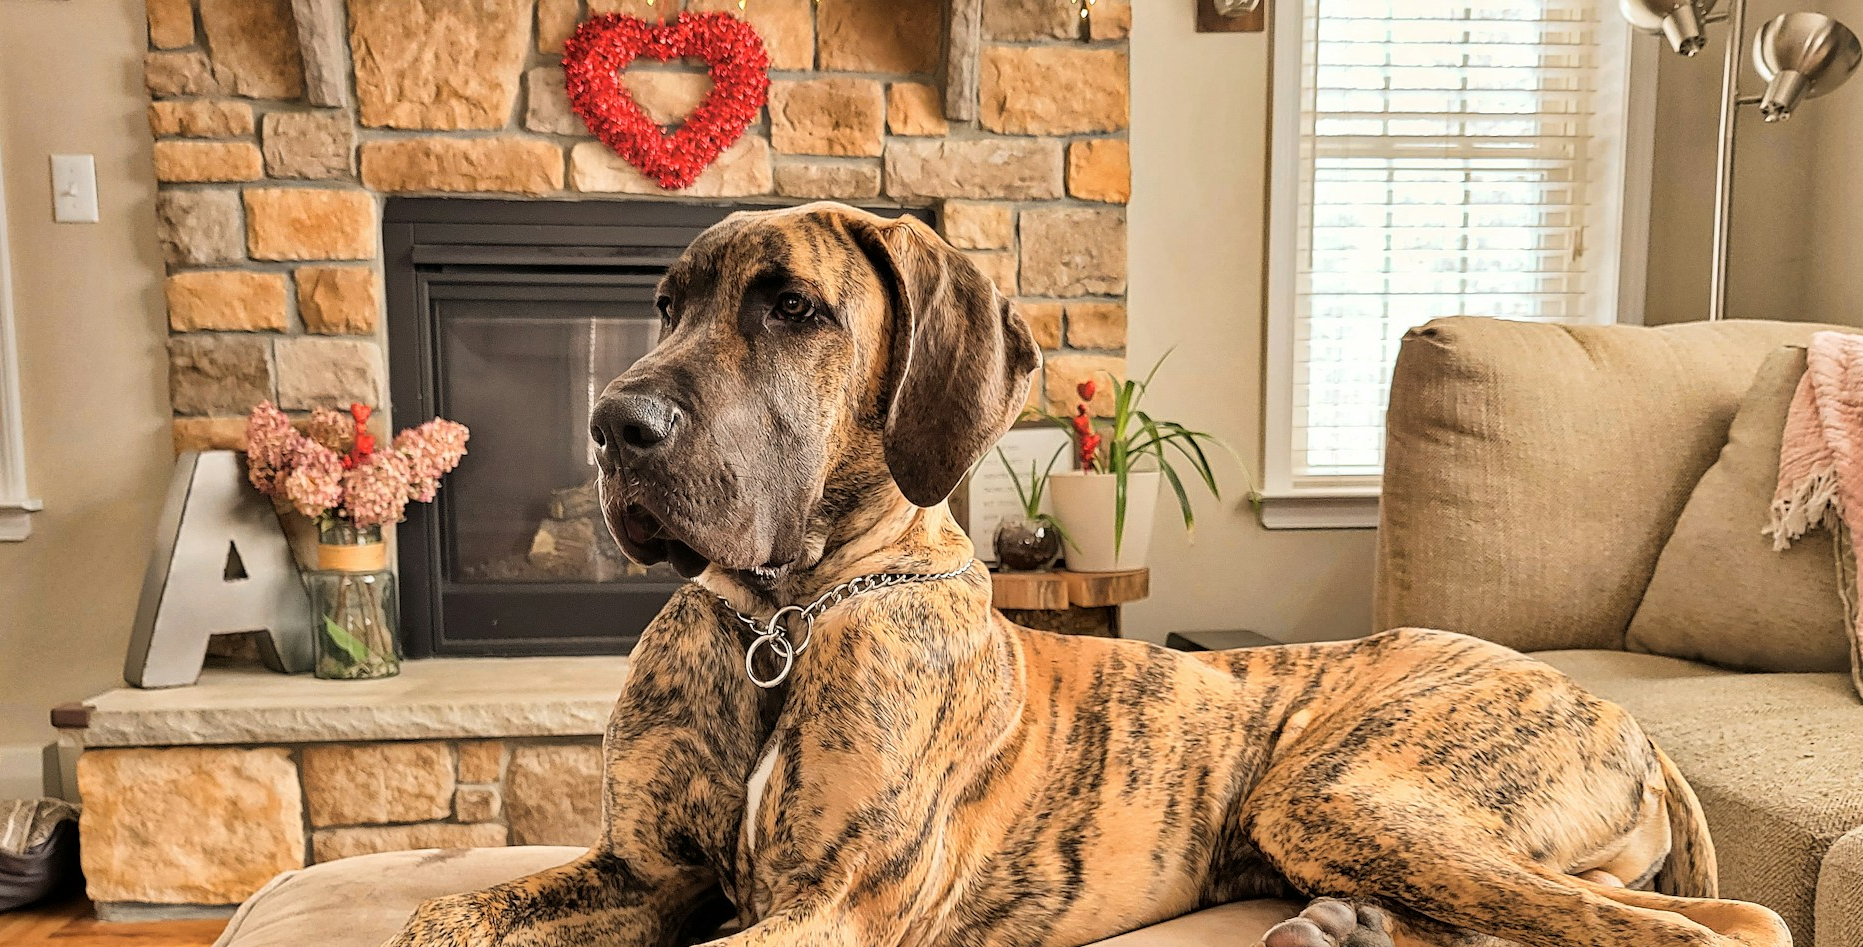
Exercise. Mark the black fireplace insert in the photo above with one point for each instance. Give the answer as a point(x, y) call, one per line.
point(511, 317)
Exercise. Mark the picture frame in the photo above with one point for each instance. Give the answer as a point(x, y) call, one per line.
point(987, 494)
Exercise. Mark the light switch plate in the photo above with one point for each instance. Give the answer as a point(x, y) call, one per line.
point(74, 189)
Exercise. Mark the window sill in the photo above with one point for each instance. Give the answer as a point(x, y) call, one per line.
point(1319, 510)
point(16, 519)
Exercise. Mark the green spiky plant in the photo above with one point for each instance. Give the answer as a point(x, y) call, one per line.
point(1132, 436)
point(1031, 496)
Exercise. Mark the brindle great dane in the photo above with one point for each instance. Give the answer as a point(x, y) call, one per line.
point(931, 774)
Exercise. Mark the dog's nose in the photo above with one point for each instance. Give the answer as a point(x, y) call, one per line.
point(631, 421)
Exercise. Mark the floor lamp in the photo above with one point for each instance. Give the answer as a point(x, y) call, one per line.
point(1800, 55)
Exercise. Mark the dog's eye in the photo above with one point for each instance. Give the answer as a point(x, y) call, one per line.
point(794, 307)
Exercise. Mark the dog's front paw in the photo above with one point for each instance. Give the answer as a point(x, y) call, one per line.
point(459, 920)
point(1329, 922)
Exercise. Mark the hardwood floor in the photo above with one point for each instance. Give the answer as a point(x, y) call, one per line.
point(70, 923)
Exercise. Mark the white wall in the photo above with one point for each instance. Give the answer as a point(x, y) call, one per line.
point(1198, 217)
point(93, 362)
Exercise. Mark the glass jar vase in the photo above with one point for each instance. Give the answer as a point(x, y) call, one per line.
point(1027, 545)
point(354, 604)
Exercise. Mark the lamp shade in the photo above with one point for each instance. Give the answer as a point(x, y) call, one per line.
point(1679, 21)
point(1802, 56)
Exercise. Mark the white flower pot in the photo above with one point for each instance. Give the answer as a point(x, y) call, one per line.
point(1084, 505)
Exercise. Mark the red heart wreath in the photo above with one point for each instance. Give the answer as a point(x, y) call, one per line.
point(602, 47)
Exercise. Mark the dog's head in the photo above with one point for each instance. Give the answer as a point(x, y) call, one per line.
point(810, 361)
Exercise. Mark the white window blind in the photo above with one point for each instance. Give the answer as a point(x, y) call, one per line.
point(1446, 158)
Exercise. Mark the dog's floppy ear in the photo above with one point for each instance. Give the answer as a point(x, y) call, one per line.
point(960, 362)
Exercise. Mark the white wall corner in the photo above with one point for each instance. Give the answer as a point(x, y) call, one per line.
point(16, 502)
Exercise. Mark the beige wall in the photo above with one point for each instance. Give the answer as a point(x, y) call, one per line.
point(1199, 153)
point(91, 352)
point(1796, 238)
point(1836, 241)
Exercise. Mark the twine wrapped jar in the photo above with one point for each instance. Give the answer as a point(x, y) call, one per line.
point(355, 609)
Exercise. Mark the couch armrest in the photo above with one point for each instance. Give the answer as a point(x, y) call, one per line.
point(1840, 893)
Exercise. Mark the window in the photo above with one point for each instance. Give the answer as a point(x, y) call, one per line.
point(15, 506)
point(1435, 159)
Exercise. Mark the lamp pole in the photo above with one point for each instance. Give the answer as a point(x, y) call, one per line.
point(1724, 158)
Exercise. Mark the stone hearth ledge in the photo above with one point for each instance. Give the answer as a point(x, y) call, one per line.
point(437, 698)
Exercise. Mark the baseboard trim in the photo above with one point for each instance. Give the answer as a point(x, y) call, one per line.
point(131, 911)
point(22, 770)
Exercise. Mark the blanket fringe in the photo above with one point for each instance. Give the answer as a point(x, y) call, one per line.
point(1811, 503)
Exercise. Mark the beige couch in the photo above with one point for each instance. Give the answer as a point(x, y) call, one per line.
point(1596, 495)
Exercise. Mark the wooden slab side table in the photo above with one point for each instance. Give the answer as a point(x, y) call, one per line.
point(1073, 603)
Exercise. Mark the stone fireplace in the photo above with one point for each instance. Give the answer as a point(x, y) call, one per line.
point(293, 138)
point(281, 126)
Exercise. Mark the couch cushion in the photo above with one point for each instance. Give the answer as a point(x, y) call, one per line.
point(1777, 760)
point(1533, 472)
point(363, 901)
point(1720, 593)
point(1603, 672)
point(1840, 894)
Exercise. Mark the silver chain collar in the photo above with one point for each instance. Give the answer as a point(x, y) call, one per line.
point(773, 633)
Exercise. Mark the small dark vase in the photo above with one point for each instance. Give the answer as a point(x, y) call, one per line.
point(1026, 545)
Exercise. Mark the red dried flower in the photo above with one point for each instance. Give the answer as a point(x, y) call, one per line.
point(1089, 446)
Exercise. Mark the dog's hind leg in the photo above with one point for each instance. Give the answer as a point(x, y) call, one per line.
point(1424, 863)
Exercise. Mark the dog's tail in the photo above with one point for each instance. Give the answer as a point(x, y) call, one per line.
point(1690, 870)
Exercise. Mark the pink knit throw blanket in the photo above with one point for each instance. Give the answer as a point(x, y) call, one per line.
point(1821, 463)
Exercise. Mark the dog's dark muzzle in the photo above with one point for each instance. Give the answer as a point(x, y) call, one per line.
point(634, 431)
point(628, 424)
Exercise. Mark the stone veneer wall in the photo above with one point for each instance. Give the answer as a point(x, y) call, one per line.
point(268, 206)
point(268, 213)
point(211, 825)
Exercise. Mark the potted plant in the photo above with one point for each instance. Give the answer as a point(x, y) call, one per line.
point(336, 476)
point(1106, 506)
point(1032, 541)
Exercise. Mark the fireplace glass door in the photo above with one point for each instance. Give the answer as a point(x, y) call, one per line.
point(512, 318)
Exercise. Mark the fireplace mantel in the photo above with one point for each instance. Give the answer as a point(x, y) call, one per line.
point(437, 699)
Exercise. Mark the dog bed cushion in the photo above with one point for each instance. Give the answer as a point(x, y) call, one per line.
point(38, 849)
point(363, 901)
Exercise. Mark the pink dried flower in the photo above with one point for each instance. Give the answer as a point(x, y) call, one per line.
point(315, 485)
point(376, 490)
point(431, 450)
point(268, 436)
point(335, 472)
point(333, 429)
